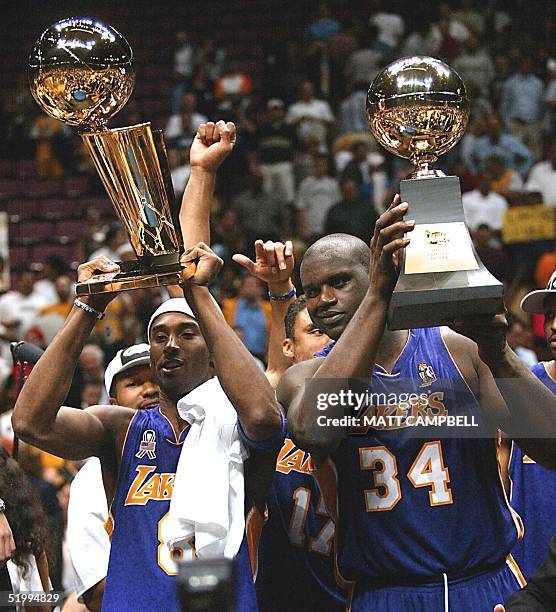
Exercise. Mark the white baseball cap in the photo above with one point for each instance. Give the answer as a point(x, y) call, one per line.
point(138, 354)
point(534, 302)
point(171, 305)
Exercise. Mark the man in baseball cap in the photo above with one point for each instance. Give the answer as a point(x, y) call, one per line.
point(128, 378)
point(534, 487)
point(129, 382)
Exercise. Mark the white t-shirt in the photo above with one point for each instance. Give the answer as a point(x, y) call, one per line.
point(480, 209)
point(317, 196)
point(87, 540)
point(390, 28)
point(174, 127)
point(311, 118)
point(15, 306)
point(543, 178)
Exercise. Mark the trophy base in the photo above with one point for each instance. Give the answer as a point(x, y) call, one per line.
point(136, 274)
point(443, 298)
point(441, 278)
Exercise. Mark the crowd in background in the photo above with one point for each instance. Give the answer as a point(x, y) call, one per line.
point(305, 165)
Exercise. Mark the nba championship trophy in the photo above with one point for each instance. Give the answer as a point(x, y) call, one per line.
point(418, 109)
point(82, 74)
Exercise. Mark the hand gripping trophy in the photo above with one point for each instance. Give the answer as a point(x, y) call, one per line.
point(418, 109)
point(81, 73)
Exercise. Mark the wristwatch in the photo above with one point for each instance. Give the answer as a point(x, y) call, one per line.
point(2, 505)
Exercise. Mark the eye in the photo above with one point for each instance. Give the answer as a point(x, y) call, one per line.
point(160, 337)
point(311, 292)
point(316, 332)
point(338, 283)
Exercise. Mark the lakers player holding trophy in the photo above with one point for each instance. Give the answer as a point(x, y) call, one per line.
point(139, 451)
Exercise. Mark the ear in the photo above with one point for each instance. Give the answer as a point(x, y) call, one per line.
point(288, 348)
point(113, 401)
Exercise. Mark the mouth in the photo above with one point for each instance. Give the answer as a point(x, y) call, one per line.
point(171, 365)
point(148, 404)
point(331, 318)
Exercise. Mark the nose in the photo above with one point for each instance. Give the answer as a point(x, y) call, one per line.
point(327, 296)
point(149, 390)
point(171, 345)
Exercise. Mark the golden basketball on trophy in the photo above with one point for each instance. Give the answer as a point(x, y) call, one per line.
point(418, 109)
point(81, 73)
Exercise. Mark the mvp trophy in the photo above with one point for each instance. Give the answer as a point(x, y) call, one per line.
point(81, 74)
point(418, 109)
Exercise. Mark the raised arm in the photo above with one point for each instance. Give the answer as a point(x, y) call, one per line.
point(510, 395)
point(211, 146)
point(241, 378)
point(354, 354)
point(39, 418)
point(274, 264)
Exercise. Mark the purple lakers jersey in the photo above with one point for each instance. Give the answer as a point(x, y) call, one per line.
point(415, 501)
point(533, 496)
point(141, 570)
point(296, 569)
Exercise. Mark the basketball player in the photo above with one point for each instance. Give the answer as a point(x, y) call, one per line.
point(129, 382)
point(139, 451)
point(424, 522)
point(297, 542)
point(295, 546)
point(533, 493)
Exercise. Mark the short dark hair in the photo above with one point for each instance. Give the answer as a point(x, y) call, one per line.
point(291, 315)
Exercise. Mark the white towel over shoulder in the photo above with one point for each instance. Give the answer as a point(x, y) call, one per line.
point(208, 496)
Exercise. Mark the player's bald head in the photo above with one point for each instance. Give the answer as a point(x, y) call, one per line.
point(337, 246)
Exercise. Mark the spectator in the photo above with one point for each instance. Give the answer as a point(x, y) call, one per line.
point(493, 257)
point(359, 170)
point(211, 56)
point(309, 115)
point(363, 65)
point(542, 177)
point(91, 361)
point(184, 65)
point(444, 44)
point(19, 307)
point(180, 169)
point(475, 66)
point(261, 214)
point(92, 393)
point(114, 239)
point(53, 267)
point(304, 163)
point(28, 566)
point(352, 115)
point(324, 27)
point(550, 99)
point(448, 27)
point(389, 25)
point(520, 340)
point(250, 314)
point(504, 180)
point(417, 39)
point(484, 206)
point(317, 194)
point(233, 87)
point(64, 298)
point(522, 106)
point(472, 19)
point(545, 268)
point(511, 151)
point(274, 143)
point(48, 134)
point(185, 123)
point(351, 215)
